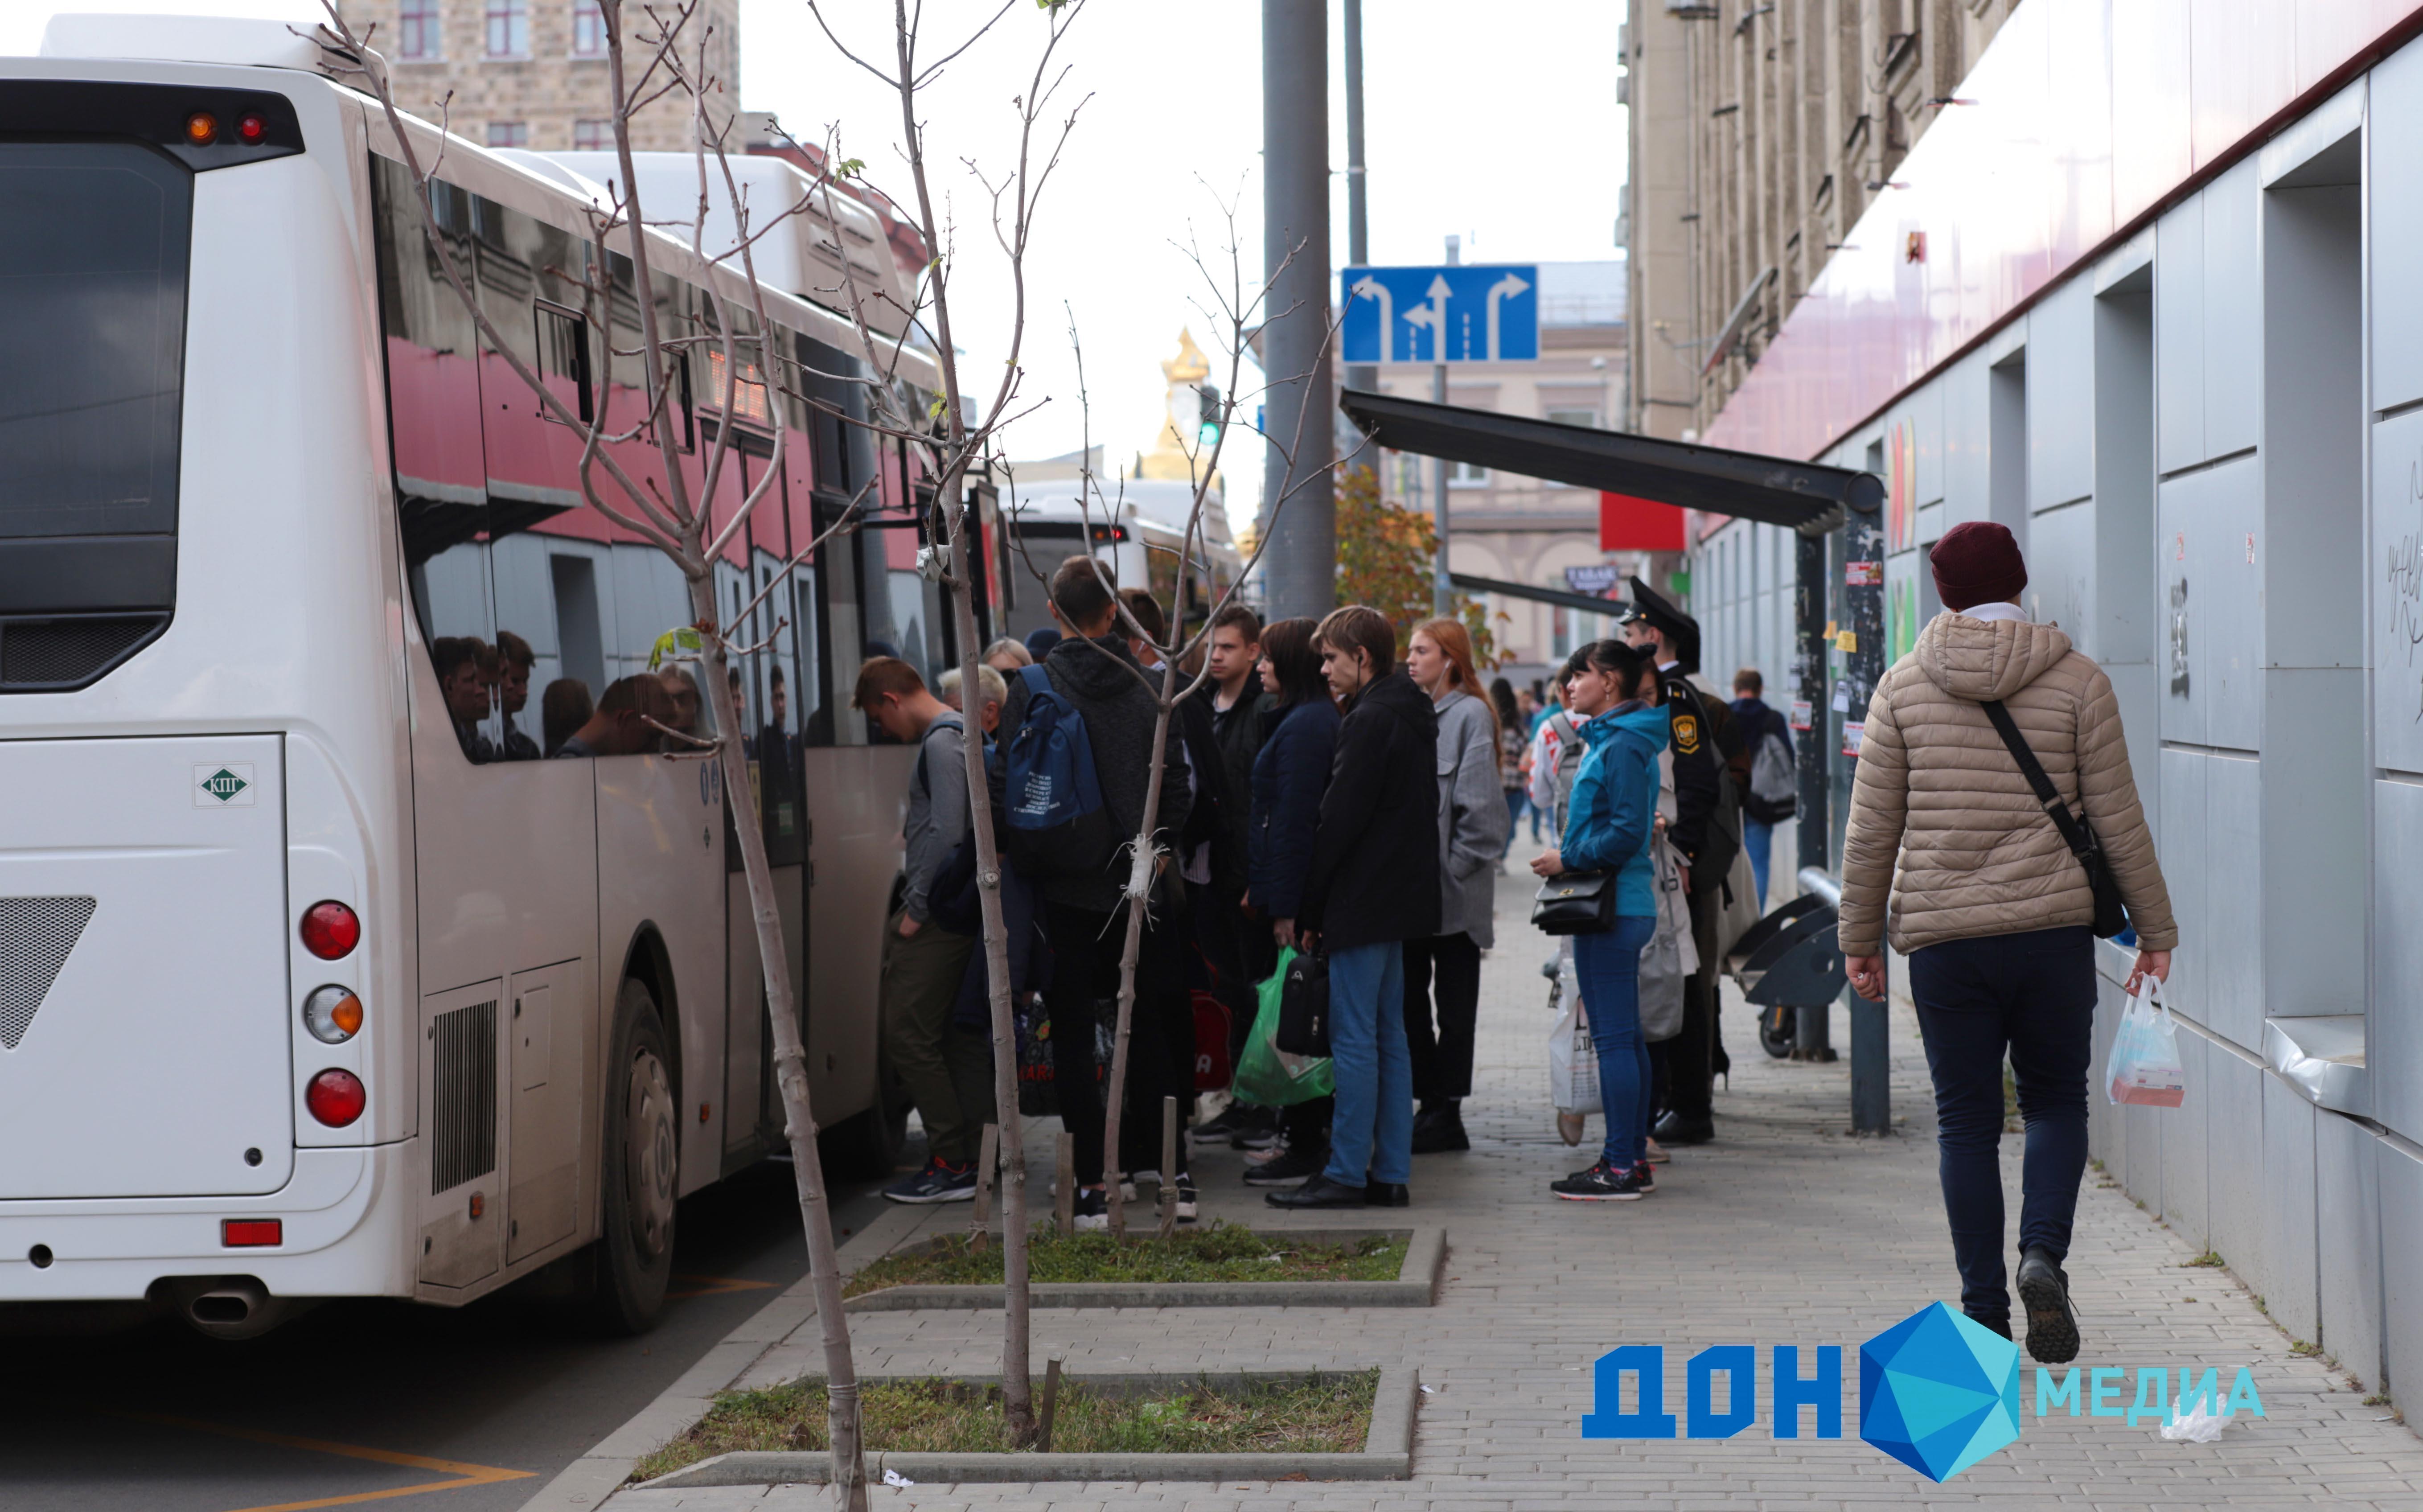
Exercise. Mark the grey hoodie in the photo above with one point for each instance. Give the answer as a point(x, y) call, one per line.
point(938, 810)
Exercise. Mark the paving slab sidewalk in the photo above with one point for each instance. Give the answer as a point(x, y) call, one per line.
point(1786, 1230)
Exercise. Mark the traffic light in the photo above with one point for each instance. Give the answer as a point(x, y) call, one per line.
point(1208, 431)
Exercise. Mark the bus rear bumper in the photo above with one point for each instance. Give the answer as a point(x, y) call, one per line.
point(344, 1231)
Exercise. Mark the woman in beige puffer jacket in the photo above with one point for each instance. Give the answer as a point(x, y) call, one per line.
point(1993, 908)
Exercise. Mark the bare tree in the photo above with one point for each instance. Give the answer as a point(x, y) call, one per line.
point(1236, 309)
point(663, 58)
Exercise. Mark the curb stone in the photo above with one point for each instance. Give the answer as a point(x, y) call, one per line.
point(1417, 1284)
point(602, 1470)
point(1387, 1450)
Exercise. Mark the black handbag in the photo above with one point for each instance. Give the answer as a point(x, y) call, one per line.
point(2111, 915)
point(1576, 902)
point(1303, 1007)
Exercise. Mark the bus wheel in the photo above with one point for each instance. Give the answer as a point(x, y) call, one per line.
point(639, 1173)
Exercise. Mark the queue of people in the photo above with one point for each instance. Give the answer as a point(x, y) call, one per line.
point(1328, 791)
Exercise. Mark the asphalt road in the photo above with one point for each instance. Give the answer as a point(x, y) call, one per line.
point(359, 1401)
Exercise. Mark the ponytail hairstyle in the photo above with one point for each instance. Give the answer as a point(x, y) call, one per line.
point(1623, 662)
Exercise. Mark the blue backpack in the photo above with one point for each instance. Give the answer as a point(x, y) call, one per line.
point(1058, 823)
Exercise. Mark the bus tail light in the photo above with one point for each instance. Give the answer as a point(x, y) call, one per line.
point(251, 128)
point(333, 1014)
point(201, 128)
point(250, 1234)
point(330, 931)
point(336, 1098)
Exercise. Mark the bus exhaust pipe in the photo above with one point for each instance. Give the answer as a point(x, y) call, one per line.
point(230, 1306)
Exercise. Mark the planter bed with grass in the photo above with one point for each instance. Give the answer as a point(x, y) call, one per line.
point(1217, 1427)
point(1215, 1267)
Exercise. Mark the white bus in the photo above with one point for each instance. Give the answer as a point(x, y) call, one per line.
point(1042, 520)
point(317, 978)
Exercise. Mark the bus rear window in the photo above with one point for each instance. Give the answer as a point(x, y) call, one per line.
point(93, 242)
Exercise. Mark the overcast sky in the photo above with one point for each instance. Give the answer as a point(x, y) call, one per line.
point(1498, 123)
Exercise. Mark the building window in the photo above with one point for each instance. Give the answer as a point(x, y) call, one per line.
point(1463, 476)
point(418, 34)
point(588, 29)
point(508, 28)
point(1574, 417)
point(592, 136)
point(509, 134)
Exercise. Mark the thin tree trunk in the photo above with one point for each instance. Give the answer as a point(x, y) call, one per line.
point(790, 1074)
point(1017, 1390)
point(1140, 880)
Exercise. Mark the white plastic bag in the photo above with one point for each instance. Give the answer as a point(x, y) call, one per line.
point(2145, 1067)
point(1572, 1061)
point(1670, 954)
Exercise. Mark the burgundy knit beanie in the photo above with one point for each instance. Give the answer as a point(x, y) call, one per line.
point(1978, 563)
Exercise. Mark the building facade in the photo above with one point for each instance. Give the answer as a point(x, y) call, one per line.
point(1518, 528)
point(2159, 326)
point(532, 73)
point(1760, 135)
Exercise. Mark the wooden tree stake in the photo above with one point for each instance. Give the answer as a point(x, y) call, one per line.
point(980, 1221)
point(1169, 1165)
point(1064, 1201)
point(1050, 1404)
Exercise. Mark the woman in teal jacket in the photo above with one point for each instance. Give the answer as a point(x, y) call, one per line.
point(1609, 823)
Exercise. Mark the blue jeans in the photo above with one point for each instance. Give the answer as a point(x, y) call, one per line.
point(2031, 996)
point(1759, 840)
point(1609, 967)
point(1515, 800)
point(1371, 1134)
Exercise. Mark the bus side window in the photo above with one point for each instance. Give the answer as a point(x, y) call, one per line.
point(441, 486)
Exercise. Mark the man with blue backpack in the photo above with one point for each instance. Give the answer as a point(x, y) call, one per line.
point(1075, 758)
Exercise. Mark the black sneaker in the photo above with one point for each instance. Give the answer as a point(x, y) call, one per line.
point(1999, 1322)
point(1602, 1183)
point(2053, 1323)
point(1675, 1129)
point(1647, 1177)
point(1290, 1168)
point(937, 1182)
point(1236, 1119)
point(1440, 1131)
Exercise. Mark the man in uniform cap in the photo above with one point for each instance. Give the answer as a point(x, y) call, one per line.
point(1711, 772)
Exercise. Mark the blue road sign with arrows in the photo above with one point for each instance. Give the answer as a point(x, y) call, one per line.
point(1479, 313)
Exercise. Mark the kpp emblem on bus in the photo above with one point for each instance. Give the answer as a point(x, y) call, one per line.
point(223, 787)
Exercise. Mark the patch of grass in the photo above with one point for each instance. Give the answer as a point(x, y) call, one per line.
point(2211, 1260)
point(2300, 1347)
point(1218, 1253)
point(1331, 1416)
point(2377, 1399)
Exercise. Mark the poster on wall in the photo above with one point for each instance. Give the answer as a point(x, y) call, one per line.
point(1901, 606)
point(1901, 487)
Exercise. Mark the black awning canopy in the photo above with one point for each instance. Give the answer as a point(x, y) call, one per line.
point(1472, 583)
point(1800, 496)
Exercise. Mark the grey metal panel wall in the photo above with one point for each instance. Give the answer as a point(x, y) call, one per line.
point(2400, 1175)
point(2346, 1226)
point(2393, 179)
point(2292, 1274)
point(2396, 1062)
point(2178, 338)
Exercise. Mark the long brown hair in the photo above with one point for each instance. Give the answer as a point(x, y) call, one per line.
point(1287, 645)
point(1451, 636)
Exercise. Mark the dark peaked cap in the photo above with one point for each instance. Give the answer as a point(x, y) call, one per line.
point(1651, 605)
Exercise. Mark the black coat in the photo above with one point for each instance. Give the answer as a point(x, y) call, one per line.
point(1290, 773)
point(1375, 865)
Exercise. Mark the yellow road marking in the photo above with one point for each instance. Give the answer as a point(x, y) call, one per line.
point(717, 1286)
point(466, 1474)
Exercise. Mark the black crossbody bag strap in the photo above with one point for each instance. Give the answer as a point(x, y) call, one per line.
point(2083, 843)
